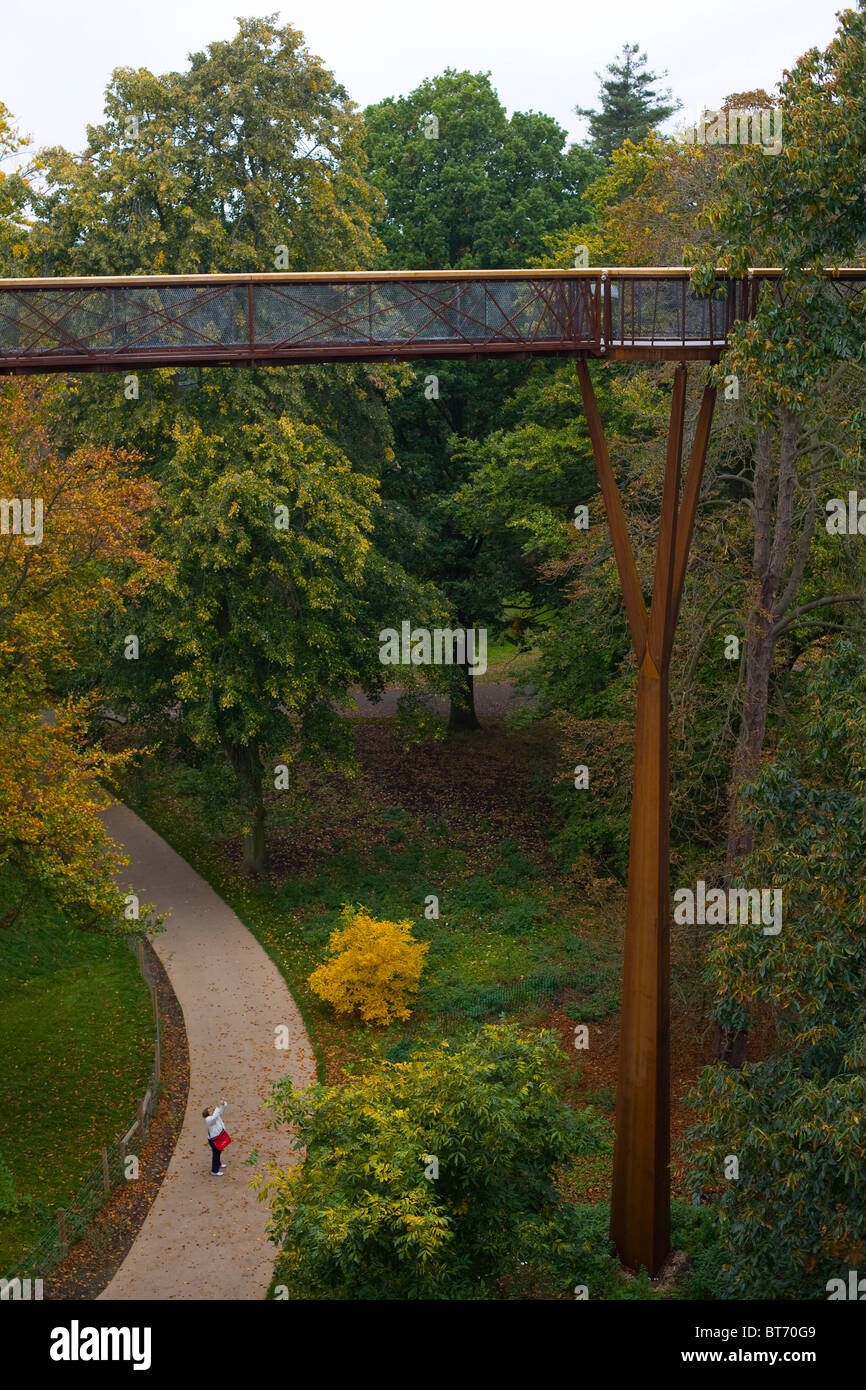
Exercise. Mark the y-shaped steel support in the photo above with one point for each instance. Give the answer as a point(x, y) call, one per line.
point(640, 1203)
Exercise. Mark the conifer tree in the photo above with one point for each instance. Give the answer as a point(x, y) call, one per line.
point(630, 107)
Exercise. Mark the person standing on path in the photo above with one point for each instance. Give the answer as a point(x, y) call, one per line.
point(213, 1119)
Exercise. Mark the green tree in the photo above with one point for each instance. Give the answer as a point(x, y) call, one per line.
point(477, 189)
point(256, 146)
point(427, 1178)
point(803, 209)
point(522, 485)
point(252, 148)
point(794, 1217)
point(630, 107)
point(263, 606)
point(482, 193)
point(15, 192)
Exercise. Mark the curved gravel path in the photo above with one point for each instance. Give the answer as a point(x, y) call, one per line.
point(204, 1237)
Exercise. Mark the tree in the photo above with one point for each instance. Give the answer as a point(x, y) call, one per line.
point(644, 207)
point(422, 522)
point(767, 571)
point(14, 195)
point(52, 840)
point(477, 189)
point(427, 1178)
point(793, 1218)
point(265, 607)
point(802, 210)
point(630, 108)
point(254, 147)
point(58, 579)
point(482, 193)
point(523, 482)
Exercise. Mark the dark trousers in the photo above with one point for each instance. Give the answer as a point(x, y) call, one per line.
point(217, 1159)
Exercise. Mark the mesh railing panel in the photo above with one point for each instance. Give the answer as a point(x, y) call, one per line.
point(288, 318)
point(313, 314)
point(99, 322)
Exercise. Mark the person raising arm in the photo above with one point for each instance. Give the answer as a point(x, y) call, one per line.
point(212, 1116)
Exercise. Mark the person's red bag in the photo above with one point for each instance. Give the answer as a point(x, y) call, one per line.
point(221, 1140)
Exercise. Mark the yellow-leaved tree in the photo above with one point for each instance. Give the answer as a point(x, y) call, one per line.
point(72, 549)
point(373, 966)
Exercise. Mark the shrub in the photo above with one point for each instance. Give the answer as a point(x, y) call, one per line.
point(476, 895)
point(520, 917)
point(374, 967)
point(370, 1215)
point(515, 867)
point(696, 1230)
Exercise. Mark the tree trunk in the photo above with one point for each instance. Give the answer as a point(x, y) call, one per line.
point(770, 560)
point(729, 1046)
point(760, 649)
point(247, 764)
point(462, 717)
point(255, 849)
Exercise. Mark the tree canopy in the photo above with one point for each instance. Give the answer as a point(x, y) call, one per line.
point(428, 1178)
point(255, 146)
point(475, 189)
point(629, 105)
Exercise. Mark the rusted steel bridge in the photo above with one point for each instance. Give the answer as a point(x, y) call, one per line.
point(111, 323)
point(116, 323)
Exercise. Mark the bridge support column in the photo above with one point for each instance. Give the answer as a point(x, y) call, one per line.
point(640, 1202)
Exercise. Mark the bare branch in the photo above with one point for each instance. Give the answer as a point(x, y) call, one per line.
point(815, 603)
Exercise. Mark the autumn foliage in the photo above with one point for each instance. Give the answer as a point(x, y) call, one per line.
point(53, 597)
point(374, 967)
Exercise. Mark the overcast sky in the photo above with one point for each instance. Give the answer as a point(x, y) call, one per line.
point(56, 56)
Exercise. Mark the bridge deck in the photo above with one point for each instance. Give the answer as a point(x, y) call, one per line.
point(113, 323)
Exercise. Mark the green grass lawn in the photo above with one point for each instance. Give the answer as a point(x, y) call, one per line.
point(508, 662)
point(76, 1048)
